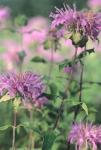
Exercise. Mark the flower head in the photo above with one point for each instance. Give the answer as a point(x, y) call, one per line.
point(94, 4)
point(28, 86)
point(85, 135)
point(4, 16)
point(4, 13)
point(72, 21)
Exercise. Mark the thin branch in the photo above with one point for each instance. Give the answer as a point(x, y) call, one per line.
point(65, 92)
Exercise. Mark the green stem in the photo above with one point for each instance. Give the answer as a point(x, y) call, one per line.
point(65, 92)
point(14, 130)
point(31, 140)
point(80, 96)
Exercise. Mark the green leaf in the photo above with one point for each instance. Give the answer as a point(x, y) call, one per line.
point(65, 63)
point(38, 60)
point(53, 90)
point(85, 108)
point(4, 98)
point(49, 140)
point(5, 127)
point(84, 53)
point(63, 95)
point(74, 103)
point(20, 20)
point(48, 44)
point(26, 125)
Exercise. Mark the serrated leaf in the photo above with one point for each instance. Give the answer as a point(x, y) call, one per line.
point(38, 60)
point(49, 140)
point(5, 127)
point(85, 108)
point(5, 98)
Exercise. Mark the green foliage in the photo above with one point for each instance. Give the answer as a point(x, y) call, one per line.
point(20, 20)
point(85, 108)
point(38, 60)
point(49, 140)
point(84, 53)
point(5, 127)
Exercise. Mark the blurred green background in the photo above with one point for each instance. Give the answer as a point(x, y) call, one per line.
point(39, 7)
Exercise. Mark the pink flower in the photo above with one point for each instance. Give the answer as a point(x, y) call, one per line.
point(72, 21)
point(94, 4)
point(35, 23)
point(35, 31)
point(4, 13)
point(68, 70)
point(85, 136)
point(4, 16)
point(35, 37)
point(28, 86)
point(11, 53)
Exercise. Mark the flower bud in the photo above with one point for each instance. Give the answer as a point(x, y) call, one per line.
point(78, 39)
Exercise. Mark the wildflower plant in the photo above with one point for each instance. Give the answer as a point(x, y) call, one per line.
point(54, 100)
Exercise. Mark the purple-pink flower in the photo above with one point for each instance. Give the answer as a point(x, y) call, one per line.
point(68, 70)
point(28, 86)
point(85, 136)
point(11, 54)
point(94, 4)
point(4, 16)
point(68, 20)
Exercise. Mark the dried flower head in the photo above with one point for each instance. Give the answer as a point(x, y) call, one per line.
point(28, 86)
point(85, 136)
point(72, 21)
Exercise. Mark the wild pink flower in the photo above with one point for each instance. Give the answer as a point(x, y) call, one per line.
point(72, 21)
point(35, 37)
point(35, 23)
point(38, 35)
point(94, 4)
point(4, 16)
point(4, 13)
point(85, 136)
point(28, 86)
point(68, 70)
point(12, 48)
point(35, 31)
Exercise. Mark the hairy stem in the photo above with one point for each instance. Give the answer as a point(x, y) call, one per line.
point(14, 130)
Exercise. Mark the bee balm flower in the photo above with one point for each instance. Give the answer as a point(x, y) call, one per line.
point(28, 86)
point(85, 136)
point(70, 21)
